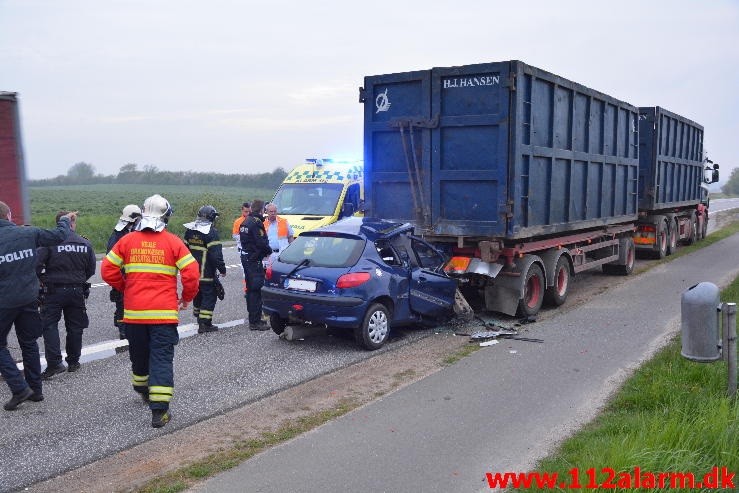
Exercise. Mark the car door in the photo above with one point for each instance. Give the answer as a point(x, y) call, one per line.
point(431, 290)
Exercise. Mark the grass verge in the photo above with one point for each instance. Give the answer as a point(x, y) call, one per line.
point(671, 416)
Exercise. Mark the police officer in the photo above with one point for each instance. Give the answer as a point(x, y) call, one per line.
point(254, 248)
point(129, 218)
point(152, 258)
point(19, 289)
point(203, 240)
point(64, 270)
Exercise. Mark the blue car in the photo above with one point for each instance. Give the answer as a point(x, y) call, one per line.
point(363, 274)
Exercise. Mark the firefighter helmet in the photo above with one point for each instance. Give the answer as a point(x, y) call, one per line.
point(130, 213)
point(155, 214)
point(208, 213)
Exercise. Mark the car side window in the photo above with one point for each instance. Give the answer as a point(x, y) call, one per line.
point(428, 257)
point(387, 253)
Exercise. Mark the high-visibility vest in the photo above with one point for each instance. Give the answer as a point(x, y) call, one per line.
point(282, 231)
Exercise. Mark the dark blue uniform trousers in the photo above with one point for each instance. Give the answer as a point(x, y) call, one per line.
point(69, 301)
point(205, 301)
point(151, 349)
point(254, 275)
point(27, 329)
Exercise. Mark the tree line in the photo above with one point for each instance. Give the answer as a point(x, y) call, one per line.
point(84, 174)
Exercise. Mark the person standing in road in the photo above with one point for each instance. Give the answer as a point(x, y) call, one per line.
point(245, 210)
point(126, 223)
point(19, 288)
point(64, 270)
point(279, 232)
point(151, 258)
point(255, 248)
point(201, 237)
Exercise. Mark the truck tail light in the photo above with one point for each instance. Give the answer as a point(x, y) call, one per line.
point(457, 265)
point(352, 280)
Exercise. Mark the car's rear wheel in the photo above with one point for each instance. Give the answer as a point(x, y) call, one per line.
point(278, 324)
point(375, 327)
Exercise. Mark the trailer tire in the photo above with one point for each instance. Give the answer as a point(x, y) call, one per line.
point(556, 294)
point(532, 292)
point(672, 243)
point(626, 258)
point(703, 232)
point(662, 239)
point(693, 237)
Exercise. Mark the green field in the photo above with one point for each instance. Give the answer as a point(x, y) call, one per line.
point(100, 205)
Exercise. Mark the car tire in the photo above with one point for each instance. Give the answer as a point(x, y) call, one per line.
point(375, 328)
point(278, 324)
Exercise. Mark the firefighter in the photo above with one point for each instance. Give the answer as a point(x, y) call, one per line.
point(64, 270)
point(254, 249)
point(201, 237)
point(126, 223)
point(151, 258)
point(19, 289)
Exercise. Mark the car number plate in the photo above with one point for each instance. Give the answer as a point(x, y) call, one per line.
point(301, 285)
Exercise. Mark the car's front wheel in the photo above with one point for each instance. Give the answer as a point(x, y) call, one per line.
point(375, 327)
point(278, 324)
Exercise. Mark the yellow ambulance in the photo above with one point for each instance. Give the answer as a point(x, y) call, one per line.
point(320, 192)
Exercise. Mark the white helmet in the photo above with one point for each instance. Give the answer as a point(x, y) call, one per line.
point(155, 214)
point(130, 214)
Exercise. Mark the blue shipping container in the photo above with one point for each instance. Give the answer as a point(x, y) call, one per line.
point(498, 149)
point(670, 160)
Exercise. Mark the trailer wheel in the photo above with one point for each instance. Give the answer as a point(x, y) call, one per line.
point(627, 256)
point(662, 240)
point(693, 236)
point(556, 294)
point(532, 295)
point(704, 227)
point(672, 229)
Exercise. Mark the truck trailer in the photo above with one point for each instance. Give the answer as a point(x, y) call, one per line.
point(522, 177)
point(13, 190)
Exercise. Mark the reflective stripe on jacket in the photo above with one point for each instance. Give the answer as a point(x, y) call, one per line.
point(151, 261)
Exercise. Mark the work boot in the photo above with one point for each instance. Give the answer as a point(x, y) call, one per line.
point(206, 326)
point(159, 417)
point(72, 367)
point(50, 372)
point(258, 325)
point(15, 401)
point(37, 396)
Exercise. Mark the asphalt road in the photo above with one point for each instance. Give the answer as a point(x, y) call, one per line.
point(93, 413)
point(498, 410)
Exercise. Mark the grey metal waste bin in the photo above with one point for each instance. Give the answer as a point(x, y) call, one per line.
point(701, 338)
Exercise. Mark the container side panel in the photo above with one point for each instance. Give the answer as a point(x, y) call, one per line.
point(670, 160)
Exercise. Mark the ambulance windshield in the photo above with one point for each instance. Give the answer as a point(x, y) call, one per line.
point(312, 199)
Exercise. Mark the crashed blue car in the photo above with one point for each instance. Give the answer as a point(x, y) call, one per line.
point(361, 274)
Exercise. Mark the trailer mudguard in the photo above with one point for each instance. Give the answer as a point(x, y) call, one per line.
point(504, 293)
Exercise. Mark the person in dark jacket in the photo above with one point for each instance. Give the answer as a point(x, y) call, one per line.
point(64, 270)
point(130, 216)
point(19, 288)
point(254, 249)
point(203, 240)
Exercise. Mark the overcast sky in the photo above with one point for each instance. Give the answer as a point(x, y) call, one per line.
point(249, 86)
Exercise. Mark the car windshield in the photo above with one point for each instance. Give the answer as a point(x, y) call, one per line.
point(318, 199)
point(324, 250)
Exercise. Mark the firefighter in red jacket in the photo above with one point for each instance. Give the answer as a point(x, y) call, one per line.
point(151, 257)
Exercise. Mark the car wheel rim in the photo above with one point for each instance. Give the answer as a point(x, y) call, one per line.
point(377, 327)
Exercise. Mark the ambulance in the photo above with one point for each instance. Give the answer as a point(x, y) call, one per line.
point(320, 192)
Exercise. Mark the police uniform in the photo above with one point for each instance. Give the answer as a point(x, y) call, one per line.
point(115, 295)
point(19, 286)
point(254, 248)
point(207, 250)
